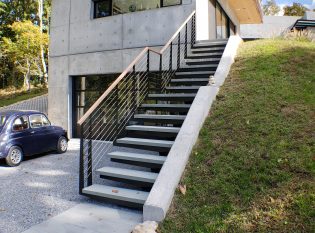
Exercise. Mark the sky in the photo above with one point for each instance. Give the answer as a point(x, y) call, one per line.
point(310, 4)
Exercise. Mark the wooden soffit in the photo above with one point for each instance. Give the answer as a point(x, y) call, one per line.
point(247, 11)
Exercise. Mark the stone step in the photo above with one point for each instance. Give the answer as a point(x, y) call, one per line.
point(145, 144)
point(183, 89)
point(142, 160)
point(167, 107)
point(160, 129)
point(129, 176)
point(172, 97)
point(205, 55)
point(170, 119)
point(194, 74)
point(190, 81)
point(202, 61)
point(121, 196)
point(208, 50)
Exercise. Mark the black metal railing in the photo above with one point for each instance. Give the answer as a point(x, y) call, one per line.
point(105, 121)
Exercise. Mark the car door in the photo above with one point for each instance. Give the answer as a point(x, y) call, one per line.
point(21, 135)
point(42, 132)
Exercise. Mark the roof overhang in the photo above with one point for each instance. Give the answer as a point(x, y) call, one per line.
point(247, 11)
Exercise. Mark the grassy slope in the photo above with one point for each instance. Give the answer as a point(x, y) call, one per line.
point(253, 167)
point(8, 97)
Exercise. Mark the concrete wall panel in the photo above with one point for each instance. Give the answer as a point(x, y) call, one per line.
point(60, 13)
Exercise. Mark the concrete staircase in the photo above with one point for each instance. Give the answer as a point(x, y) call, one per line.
point(154, 129)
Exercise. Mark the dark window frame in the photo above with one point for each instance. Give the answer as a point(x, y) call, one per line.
point(229, 21)
point(95, 2)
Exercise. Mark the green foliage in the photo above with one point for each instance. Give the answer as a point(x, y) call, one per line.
point(297, 9)
point(271, 8)
point(12, 11)
point(253, 167)
point(24, 49)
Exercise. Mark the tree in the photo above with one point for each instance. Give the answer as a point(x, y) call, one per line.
point(271, 8)
point(297, 9)
point(25, 49)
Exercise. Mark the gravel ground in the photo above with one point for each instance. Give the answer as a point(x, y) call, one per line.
point(40, 188)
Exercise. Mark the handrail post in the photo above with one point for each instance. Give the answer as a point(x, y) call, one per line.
point(134, 91)
point(116, 120)
point(171, 57)
point(194, 29)
point(90, 156)
point(148, 71)
point(160, 84)
point(81, 173)
point(186, 30)
point(178, 52)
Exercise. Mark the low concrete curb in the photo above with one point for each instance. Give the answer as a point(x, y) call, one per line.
point(227, 60)
point(162, 193)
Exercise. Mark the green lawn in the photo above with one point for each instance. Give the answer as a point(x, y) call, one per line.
point(8, 97)
point(253, 167)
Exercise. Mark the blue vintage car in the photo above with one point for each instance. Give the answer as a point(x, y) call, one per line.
point(26, 133)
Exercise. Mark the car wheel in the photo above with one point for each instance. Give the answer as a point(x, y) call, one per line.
point(15, 156)
point(62, 146)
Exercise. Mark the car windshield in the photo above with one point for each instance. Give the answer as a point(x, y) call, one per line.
point(2, 120)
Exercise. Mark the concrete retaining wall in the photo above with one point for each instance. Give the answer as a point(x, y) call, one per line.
point(272, 26)
point(161, 195)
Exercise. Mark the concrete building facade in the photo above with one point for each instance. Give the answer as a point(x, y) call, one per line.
point(89, 46)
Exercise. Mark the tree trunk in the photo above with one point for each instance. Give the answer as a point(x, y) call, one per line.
point(27, 77)
point(42, 52)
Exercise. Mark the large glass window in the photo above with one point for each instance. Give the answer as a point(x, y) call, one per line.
point(225, 27)
point(103, 8)
point(86, 91)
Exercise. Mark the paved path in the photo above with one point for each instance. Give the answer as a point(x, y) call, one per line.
point(44, 187)
point(90, 218)
point(39, 103)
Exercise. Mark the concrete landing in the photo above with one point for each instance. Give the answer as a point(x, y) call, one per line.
point(91, 218)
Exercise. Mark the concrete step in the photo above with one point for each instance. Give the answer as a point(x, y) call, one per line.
point(199, 67)
point(142, 160)
point(209, 44)
point(172, 97)
point(183, 89)
point(146, 128)
point(205, 55)
point(152, 132)
point(190, 81)
point(145, 144)
point(167, 107)
point(140, 178)
point(194, 74)
point(208, 50)
point(202, 61)
point(121, 196)
point(166, 119)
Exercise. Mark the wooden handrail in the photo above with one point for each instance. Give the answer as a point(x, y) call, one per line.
point(129, 68)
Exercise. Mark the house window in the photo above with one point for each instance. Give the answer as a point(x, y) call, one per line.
point(225, 26)
point(171, 2)
point(103, 8)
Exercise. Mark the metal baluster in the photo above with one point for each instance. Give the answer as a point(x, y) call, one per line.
point(81, 173)
point(178, 52)
point(186, 29)
point(90, 155)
